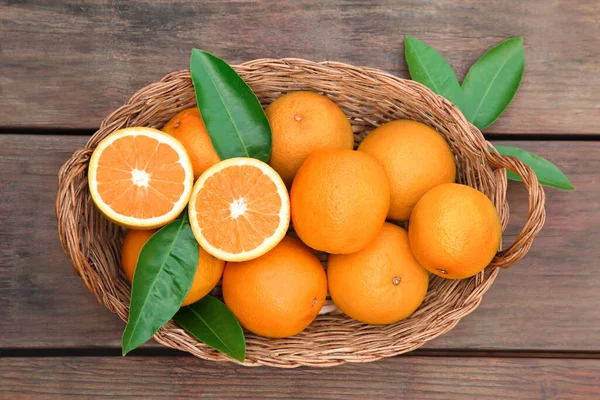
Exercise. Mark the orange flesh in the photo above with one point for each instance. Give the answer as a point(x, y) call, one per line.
point(160, 177)
point(237, 208)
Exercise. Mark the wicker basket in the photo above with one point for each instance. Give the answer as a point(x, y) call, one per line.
point(369, 97)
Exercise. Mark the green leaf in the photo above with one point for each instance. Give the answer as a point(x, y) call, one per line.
point(211, 322)
point(492, 82)
point(163, 277)
point(235, 120)
point(429, 67)
point(547, 173)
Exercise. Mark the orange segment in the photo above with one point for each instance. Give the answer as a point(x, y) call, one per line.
point(140, 177)
point(239, 209)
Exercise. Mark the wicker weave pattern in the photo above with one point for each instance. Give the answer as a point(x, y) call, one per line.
point(369, 97)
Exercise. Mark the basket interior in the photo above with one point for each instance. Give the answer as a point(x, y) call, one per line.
point(369, 100)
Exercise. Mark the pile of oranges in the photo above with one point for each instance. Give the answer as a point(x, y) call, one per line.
point(350, 204)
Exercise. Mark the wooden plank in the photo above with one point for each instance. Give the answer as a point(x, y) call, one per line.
point(68, 64)
point(44, 303)
point(408, 377)
point(547, 302)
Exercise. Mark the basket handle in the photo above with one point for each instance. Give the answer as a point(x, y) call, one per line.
point(536, 214)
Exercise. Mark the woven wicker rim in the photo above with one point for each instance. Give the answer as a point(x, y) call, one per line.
point(369, 97)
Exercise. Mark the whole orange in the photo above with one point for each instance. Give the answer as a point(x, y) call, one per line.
point(415, 158)
point(207, 275)
point(454, 231)
point(339, 200)
point(279, 293)
point(302, 122)
point(380, 284)
point(188, 127)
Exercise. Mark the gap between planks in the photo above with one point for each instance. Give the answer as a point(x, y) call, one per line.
point(489, 136)
point(168, 352)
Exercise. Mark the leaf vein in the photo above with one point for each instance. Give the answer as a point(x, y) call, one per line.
point(437, 89)
point(229, 115)
point(211, 330)
point(135, 322)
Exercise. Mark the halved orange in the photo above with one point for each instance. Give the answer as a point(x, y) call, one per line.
point(239, 209)
point(140, 177)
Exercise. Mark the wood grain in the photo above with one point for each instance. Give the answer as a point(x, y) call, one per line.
point(68, 64)
point(398, 377)
point(549, 301)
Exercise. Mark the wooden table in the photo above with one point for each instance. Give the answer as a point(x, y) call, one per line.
point(66, 64)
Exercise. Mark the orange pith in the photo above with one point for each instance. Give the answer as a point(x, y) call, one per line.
point(140, 177)
point(236, 209)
